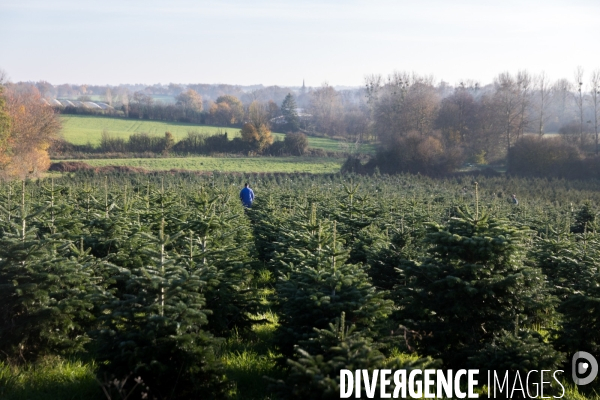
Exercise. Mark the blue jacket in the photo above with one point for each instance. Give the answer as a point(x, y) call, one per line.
point(247, 196)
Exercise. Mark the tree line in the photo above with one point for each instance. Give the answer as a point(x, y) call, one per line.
point(420, 124)
point(491, 116)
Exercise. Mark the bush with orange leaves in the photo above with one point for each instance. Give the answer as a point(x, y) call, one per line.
point(550, 157)
point(32, 127)
point(259, 137)
point(417, 153)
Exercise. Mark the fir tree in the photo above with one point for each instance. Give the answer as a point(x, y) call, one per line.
point(585, 219)
point(290, 113)
point(525, 351)
point(218, 249)
point(155, 328)
point(354, 212)
point(580, 328)
point(46, 292)
point(316, 374)
point(473, 287)
point(316, 285)
point(571, 263)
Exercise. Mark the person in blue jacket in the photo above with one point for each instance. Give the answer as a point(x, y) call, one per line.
point(247, 196)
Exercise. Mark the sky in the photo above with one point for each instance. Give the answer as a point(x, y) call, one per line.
point(285, 42)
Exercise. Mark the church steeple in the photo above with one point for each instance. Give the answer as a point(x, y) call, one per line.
point(303, 89)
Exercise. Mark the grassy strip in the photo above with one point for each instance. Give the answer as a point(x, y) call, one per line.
point(81, 129)
point(49, 379)
point(249, 360)
point(314, 165)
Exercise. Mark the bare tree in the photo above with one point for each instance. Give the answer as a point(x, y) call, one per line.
point(456, 116)
point(524, 83)
point(544, 99)
point(326, 108)
point(258, 114)
point(125, 101)
point(561, 92)
point(595, 92)
point(421, 105)
point(373, 85)
point(578, 97)
point(3, 77)
point(507, 99)
point(108, 96)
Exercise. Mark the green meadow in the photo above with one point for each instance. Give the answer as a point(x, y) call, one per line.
point(83, 129)
point(314, 165)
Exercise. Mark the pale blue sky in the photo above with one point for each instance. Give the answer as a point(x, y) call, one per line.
point(282, 42)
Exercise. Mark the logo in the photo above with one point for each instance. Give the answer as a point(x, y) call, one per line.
point(583, 364)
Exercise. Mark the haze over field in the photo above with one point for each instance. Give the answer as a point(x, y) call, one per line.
point(268, 42)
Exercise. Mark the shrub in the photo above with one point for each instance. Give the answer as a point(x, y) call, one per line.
point(418, 153)
point(296, 143)
point(278, 148)
point(535, 156)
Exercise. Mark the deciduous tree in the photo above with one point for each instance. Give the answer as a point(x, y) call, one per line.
point(578, 98)
point(190, 100)
point(259, 138)
point(4, 129)
point(544, 99)
point(258, 114)
point(595, 100)
point(33, 127)
point(326, 109)
point(507, 104)
point(236, 109)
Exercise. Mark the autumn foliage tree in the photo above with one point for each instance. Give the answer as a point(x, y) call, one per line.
point(191, 103)
point(259, 137)
point(227, 110)
point(31, 127)
point(4, 129)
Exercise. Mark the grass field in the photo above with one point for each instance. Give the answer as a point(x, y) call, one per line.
point(314, 165)
point(81, 129)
